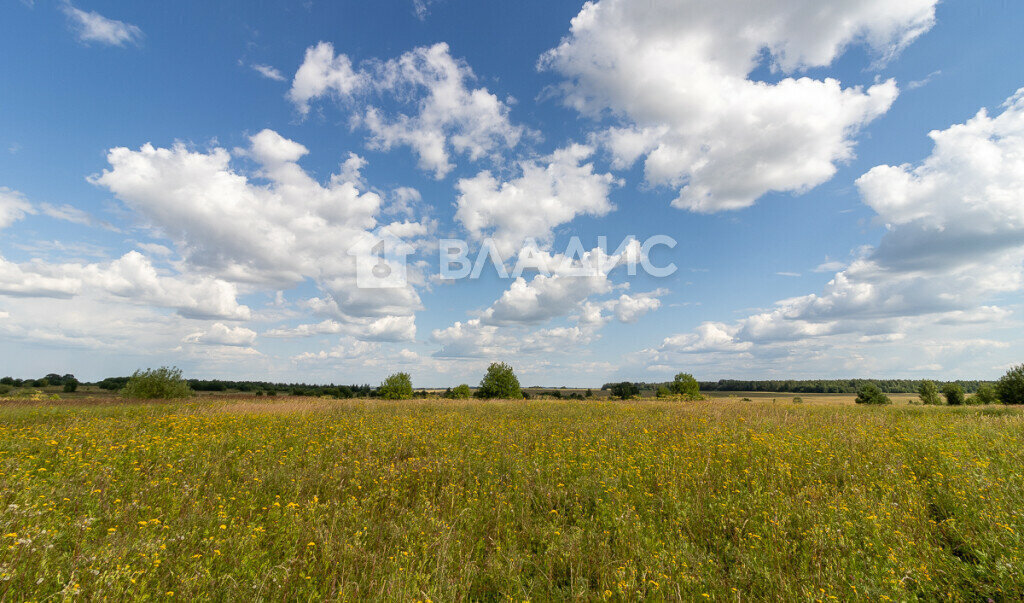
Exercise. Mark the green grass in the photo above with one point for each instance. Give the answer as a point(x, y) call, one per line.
point(312, 500)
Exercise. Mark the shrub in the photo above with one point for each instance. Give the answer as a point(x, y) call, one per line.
point(590, 393)
point(662, 392)
point(986, 394)
point(113, 383)
point(928, 392)
point(685, 385)
point(625, 390)
point(163, 383)
point(954, 394)
point(1010, 387)
point(460, 392)
point(870, 394)
point(396, 387)
point(798, 400)
point(4, 390)
point(70, 387)
point(500, 382)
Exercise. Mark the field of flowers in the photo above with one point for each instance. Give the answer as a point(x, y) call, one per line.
point(429, 500)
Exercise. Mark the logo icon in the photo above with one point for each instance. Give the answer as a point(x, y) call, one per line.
point(381, 260)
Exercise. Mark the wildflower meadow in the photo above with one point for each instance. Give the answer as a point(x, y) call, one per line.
point(438, 500)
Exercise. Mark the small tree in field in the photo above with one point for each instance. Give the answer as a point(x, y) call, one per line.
point(954, 394)
point(929, 393)
point(461, 392)
point(70, 386)
point(870, 394)
point(396, 387)
point(1010, 387)
point(685, 385)
point(986, 394)
point(500, 382)
point(625, 390)
point(157, 384)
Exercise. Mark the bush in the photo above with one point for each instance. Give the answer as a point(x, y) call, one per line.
point(685, 385)
point(870, 394)
point(1010, 387)
point(70, 387)
point(798, 400)
point(113, 383)
point(151, 384)
point(590, 393)
point(954, 394)
point(500, 382)
point(625, 390)
point(460, 392)
point(396, 387)
point(928, 392)
point(4, 390)
point(662, 392)
point(986, 394)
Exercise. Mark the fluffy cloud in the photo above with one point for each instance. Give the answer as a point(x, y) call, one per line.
point(26, 281)
point(94, 27)
point(13, 207)
point(347, 349)
point(446, 115)
point(326, 327)
point(548, 193)
point(956, 241)
point(276, 229)
point(132, 278)
point(221, 334)
point(563, 290)
point(676, 75)
point(565, 284)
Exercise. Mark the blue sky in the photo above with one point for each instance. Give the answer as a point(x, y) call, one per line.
point(183, 184)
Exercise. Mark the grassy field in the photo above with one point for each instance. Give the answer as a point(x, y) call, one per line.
point(307, 499)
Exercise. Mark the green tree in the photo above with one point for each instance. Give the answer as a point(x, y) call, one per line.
point(461, 392)
point(625, 390)
point(954, 394)
point(685, 385)
point(500, 382)
point(590, 393)
point(70, 385)
point(1010, 387)
point(151, 384)
point(870, 394)
point(929, 393)
point(396, 387)
point(986, 394)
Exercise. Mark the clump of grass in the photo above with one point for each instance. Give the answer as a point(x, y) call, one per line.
point(327, 499)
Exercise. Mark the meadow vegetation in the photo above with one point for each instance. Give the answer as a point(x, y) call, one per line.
point(313, 499)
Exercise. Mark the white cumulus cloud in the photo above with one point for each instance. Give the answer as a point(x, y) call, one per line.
point(444, 114)
point(676, 77)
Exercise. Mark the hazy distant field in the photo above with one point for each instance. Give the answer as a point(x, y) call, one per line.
point(310, 499)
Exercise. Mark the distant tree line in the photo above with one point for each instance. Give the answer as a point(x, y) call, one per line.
point(812, 386)
point(500, 381)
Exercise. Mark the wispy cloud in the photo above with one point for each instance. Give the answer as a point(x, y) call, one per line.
point(923, 81)
point(271, 73)
point(94, 27)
